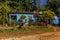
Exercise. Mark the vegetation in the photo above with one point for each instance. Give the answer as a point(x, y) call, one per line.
point(22, 17)
point(39, 29)
point(47, 15)
point(4, 9)
point(54, 4)
point(7, 6)
point(13, 6)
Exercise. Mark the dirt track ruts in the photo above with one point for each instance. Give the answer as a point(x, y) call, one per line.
point(44, 36)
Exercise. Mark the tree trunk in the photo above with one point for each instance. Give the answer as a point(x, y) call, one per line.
point(46, 22)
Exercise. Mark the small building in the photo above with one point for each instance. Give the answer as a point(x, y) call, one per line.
point(16, 16)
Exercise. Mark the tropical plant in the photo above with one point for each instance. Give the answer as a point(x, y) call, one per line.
point(54, 4)
point(29, 6)
point(23, 5)
point(4, 9)
point(22, 17)
point(48, 15)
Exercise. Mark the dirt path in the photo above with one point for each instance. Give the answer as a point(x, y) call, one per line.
point(32, 36)
point(44, 36)
point(51, 36)
point(56, 28)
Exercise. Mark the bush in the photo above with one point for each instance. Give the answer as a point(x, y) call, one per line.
point(6, 30)
point(1, 30)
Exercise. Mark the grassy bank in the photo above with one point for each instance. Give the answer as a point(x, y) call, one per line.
point(34, 29)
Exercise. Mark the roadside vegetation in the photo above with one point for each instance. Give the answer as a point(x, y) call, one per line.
point(48, 10)
point(32, 29)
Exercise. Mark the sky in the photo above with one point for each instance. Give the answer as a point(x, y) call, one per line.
point(41, 2)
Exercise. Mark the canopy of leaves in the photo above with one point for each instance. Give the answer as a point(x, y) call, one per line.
point(48, 14)
point(24, 5)
point(42, 8)
point(4, 9)
point(22, 17)
point(54, 4)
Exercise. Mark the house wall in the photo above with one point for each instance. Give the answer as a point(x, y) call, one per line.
point(19, 15)
point(58, 17)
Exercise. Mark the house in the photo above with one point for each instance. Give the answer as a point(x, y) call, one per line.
point(17, 16)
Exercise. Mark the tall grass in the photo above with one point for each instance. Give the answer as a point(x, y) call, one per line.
point(29, 29)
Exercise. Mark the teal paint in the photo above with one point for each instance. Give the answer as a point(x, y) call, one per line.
point(27, 15)
point(19, 15)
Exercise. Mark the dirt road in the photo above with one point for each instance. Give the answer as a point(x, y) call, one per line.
point(44, 36)
point(51, 36)
point(32, 36)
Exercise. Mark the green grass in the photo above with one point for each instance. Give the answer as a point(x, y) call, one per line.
point(29, 29)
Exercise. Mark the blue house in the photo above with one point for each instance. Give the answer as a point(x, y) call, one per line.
point(16, 16)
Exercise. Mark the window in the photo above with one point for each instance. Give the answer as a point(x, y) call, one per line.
point(30, 17)
point(13, 17)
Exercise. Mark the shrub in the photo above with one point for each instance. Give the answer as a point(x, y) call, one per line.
point(1, 30)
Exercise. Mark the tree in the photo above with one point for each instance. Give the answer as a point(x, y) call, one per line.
point(28, 5)
point(4, 9)
point(24, 5)
point(42, 8)
point(47, 15)
point(34, 4)
point(54, 4)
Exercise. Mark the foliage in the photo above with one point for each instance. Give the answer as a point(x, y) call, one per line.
point(42, 8)
point(22, 17)
point(15, 5)
point(28, 5)
point(53, 4)
point(4, 9)
point(23, 5)
point(30, 29)
point(48, 14)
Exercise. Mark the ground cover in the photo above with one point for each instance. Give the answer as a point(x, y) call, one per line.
point(27, 29)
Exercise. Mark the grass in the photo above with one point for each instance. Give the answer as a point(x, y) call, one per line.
point(29, 29)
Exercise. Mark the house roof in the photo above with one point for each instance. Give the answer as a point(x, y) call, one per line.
point(21, 12)
point(24, 12)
